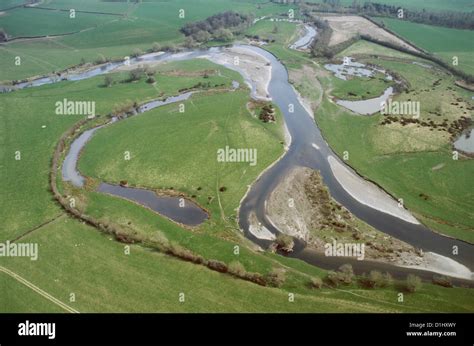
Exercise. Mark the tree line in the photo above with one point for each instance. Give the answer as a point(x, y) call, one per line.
point(221, 27)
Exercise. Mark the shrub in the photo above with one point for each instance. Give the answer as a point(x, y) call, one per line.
point(333, 279)
point(108, 80)
point(376, 279)
point(183, 253)
point(316, 282)
point(256, 278)
point(172, 48)
point(101, 59)
point(344, 275)
point(412, 283)
point(150, 80)
point(160, 240)
point(124, 238)
point(285, 242)
point(222, 34)
point(189, 42)
point(156, 47)
point(387, 280)
point(217, 266)
point(276, 277)
point(442, 280)
point(135, 75)
point(136, 52)
point(236, 268)
point(370, 281)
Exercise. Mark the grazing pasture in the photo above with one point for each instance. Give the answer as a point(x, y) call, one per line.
point(445, 43)
point(432, 5)
point(78, 259)
point(141, 25)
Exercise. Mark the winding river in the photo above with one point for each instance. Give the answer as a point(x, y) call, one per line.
point(308, 148)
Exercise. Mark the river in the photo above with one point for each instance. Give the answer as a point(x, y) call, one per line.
point(308, 148)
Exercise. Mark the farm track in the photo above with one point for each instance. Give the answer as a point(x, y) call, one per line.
point(38, 290)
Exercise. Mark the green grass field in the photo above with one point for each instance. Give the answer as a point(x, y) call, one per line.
point(6, 4)
point(24, 299)
point(78, 259)
point(283, 34)
point(118, 7)
point(443, 42)
point(162, 140)
point(365, 48)
point(27, 201)
point(172, 149)
point(17, 22)
point(401, 159)
point(393, 156)
point(114, 37)
point(434, 5)
point(351, 89)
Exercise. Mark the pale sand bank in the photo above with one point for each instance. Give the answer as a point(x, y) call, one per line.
point(442, 265)
point(258, 230)
point(256, 69)
point(368, 193)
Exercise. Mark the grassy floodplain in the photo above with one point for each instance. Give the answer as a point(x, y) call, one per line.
point(434, 5)
point(22, 131)
point(410, 162)
point(17, 22)
point(393, 156)
point(141, 25)
point(350, 89)
point(446, 43)
point(164, 139)
point(75, 258)
point(283, 34)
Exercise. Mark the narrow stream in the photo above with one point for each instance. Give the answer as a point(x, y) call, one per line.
point(175, 208)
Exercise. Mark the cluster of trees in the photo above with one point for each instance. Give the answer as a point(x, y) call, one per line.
point(267, 113)
point(320, 45)
point(221, 26)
